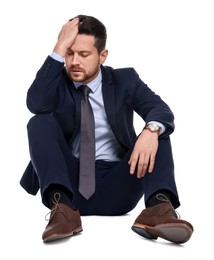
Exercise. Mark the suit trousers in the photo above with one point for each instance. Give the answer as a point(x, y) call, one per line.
point(117, 192)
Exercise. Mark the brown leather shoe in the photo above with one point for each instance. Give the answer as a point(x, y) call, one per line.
point(162, 221)
point(64, 222)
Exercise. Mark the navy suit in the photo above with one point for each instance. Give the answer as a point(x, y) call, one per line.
point(55, 101)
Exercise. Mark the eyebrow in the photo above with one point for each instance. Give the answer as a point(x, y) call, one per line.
point(81, 51)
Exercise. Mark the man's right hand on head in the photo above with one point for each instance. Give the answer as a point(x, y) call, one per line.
point(66, 37)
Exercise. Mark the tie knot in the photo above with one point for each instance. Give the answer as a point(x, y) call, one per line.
point(85, 90)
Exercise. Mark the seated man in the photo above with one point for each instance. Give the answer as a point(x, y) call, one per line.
point(86, 158)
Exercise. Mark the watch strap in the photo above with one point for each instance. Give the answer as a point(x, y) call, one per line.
point(146, 127)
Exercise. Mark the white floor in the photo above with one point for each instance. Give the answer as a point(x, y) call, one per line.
point(170, 43)
point(102, 238)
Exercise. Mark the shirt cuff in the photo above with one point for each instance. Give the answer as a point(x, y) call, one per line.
point(57, 57)
point(162, 127)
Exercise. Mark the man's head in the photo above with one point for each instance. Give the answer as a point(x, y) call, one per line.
point(90, 25)
point(85, 55)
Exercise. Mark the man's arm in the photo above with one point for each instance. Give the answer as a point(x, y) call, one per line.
point(42, 94)
point(153, 110)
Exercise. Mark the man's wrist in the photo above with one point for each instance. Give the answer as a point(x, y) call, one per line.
point(57, 57)
point(162, 127)
point(153, 128)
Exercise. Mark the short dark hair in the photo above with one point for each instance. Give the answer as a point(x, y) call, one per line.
point(90, 25)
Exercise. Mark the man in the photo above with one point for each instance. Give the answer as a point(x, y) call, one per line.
point(126, 166)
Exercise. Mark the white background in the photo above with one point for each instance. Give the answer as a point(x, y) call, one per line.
point(170, 43)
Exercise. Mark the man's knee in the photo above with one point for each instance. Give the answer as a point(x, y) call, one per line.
point(41, 122)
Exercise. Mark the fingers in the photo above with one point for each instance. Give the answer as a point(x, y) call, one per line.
point(151, 163)
point(67, 37)
point(143, 155)
point(141, 163)
point(142, 166)
point(74, 22)
point(132, 162)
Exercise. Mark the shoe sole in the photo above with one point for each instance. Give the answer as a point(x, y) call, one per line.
point(173, 232)
point(61, 236)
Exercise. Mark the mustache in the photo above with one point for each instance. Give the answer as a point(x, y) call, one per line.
point(75, 68)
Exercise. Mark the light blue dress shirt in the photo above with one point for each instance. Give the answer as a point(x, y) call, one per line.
point(107, 147)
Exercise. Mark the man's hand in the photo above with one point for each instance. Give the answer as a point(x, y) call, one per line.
point(144, 153)
point(66, 37)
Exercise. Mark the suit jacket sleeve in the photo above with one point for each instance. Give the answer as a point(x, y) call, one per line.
point(141, 99)
point(151, 107)
point(42, 95)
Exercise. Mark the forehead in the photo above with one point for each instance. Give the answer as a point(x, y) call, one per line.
point(83, 42)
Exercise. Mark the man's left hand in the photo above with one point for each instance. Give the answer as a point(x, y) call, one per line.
point(144, 153)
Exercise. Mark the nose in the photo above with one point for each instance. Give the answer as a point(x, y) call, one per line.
point(75, 59)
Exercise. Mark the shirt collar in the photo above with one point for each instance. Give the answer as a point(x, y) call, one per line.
point(93, 85)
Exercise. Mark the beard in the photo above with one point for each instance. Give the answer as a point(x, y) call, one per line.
point(78, 74)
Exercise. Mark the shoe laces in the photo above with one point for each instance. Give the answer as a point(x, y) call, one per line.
point(55, 200)
point(164, 198)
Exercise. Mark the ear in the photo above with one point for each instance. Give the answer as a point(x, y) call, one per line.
point(103, 56)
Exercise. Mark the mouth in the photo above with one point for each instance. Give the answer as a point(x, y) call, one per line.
point(76, 73)
point(76, 70)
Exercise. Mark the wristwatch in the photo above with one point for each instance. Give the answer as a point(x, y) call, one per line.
point(153, 128)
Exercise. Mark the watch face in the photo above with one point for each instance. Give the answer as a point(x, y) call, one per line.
point(153, 127)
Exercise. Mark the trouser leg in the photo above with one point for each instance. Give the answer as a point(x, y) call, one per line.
point(50, 154)
point(118, 192)
point(162, 177)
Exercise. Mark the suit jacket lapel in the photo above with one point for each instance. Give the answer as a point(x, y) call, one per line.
point(77, 96)
point(108, 89)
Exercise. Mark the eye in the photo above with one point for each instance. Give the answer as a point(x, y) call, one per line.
point(85, 54)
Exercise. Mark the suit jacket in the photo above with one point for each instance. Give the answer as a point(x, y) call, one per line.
point(124, 93)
